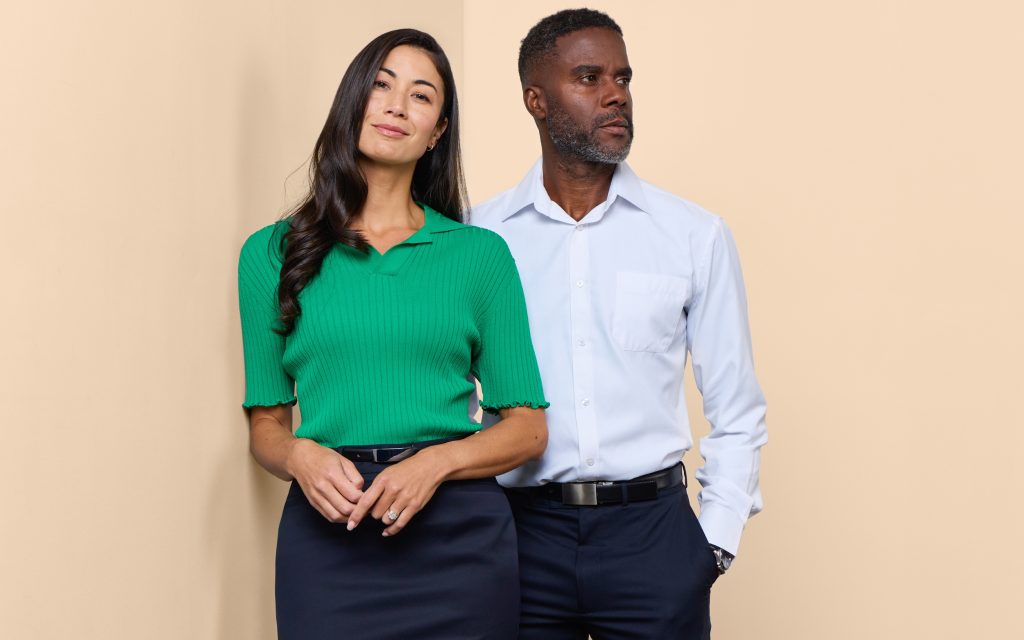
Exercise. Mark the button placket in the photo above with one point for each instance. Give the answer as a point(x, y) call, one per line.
point(581, 313)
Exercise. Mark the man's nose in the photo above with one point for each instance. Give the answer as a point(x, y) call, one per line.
point(616, 95)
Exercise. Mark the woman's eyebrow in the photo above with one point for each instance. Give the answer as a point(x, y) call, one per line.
point(395, 75)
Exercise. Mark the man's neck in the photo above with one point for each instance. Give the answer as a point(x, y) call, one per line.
point(576, 185)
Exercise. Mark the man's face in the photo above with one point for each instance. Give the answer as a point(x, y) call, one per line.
point(589, 107)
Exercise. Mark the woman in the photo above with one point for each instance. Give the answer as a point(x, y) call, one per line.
point(379, 310)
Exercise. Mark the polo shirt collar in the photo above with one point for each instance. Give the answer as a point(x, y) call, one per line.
point(433, 222)
point(625, 184)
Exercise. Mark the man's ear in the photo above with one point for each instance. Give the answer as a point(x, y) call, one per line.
point(535, 102)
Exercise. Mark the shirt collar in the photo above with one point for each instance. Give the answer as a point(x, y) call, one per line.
point(433, 222)
point(625, 184)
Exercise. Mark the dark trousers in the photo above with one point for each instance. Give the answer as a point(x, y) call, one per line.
point(451, 574)
point(640, 571)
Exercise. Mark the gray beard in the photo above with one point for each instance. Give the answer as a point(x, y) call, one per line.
point(570, 139)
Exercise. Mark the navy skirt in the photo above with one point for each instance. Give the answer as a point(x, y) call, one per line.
point(452, 573)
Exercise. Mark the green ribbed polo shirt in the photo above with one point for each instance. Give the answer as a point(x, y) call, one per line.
point(385, 347)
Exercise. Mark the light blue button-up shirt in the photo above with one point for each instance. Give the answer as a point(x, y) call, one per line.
point(616, 302)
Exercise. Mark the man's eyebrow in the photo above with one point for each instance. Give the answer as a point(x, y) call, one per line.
point(583, 69)
point(395, 75)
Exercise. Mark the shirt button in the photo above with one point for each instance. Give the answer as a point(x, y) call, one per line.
point(579, 283)
point(586, 402)
point(579, 227)
point(590, 462)
point(581, 342)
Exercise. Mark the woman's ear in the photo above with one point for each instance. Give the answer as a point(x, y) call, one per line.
point(439, 130)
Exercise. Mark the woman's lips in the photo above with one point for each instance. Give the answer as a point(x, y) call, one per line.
point(389, 131)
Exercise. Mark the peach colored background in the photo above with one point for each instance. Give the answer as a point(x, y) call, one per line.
point(867, 156)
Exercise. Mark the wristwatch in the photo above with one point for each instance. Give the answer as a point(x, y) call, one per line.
point(722, 558)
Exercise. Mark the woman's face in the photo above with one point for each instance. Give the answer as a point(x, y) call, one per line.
point(403, 111)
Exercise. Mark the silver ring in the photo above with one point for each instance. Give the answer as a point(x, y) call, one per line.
point(392, 516)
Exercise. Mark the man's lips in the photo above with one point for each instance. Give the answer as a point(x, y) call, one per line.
point(390, 131)
point(619, 125)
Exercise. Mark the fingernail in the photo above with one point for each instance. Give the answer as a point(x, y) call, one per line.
point(385, 533)
point(351, 525)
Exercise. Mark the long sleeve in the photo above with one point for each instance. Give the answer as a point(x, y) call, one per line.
point(718, 338)
point(259, 267)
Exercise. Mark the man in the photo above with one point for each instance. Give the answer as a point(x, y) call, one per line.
point(622, 281)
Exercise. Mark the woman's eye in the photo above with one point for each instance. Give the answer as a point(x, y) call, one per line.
point(421, 96)
point(380, 84)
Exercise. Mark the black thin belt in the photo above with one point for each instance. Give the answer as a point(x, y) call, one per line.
point(592, 494)
point(391, 453)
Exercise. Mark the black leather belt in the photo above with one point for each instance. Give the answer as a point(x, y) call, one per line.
point(592, 494)
point(389, 454)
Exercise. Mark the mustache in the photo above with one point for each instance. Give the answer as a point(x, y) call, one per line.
point(614, 115)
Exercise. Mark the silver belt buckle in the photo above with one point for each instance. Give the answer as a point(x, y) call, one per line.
point(395, 458)
point(583, 494)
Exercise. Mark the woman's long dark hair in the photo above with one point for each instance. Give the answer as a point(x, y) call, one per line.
point(337, 190)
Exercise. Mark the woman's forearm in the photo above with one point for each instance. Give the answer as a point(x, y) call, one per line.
point(271, 439)
point(405, 487)
point(519, 437)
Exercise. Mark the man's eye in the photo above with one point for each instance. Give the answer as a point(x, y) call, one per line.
point(625, 81)
point(589, 78)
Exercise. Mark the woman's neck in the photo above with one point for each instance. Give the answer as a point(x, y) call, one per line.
point(389, 202)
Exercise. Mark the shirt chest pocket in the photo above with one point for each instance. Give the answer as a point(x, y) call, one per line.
point(648, 310)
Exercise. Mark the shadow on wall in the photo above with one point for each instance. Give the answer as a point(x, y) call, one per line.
point(242, 515)
point(245, 502)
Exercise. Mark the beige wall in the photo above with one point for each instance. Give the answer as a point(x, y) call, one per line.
point(139, 144)
point(863, 154)
point(868, 158)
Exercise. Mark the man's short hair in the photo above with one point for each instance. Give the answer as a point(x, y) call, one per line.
point(542, 38)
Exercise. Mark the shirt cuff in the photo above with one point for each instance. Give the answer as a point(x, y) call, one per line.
point(721, 526)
